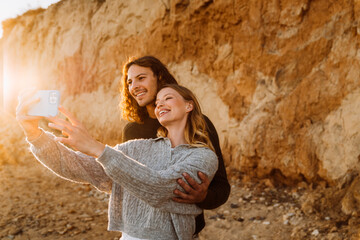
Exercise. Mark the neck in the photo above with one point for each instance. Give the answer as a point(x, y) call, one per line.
point(176, 136)
point(176, 133)
point(151, 110)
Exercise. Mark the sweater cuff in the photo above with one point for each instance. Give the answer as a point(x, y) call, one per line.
point(106, 156)
point(102, 156)
point(41, 141)
point(35, 139)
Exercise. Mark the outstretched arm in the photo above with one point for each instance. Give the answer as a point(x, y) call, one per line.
point(62, 161)
point(68, 164)
point(65, 162)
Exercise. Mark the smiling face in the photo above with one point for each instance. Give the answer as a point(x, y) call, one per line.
point(171, 107)
point(142, 85)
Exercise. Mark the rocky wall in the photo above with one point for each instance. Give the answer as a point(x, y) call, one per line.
point(1, 75)
point(279, 78)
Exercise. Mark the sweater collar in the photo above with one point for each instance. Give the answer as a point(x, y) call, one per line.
point(167, 140)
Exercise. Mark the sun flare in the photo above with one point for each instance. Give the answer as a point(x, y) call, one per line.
point(6, 87)
point(17, 77)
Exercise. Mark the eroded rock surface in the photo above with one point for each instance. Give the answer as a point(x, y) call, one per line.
point(279, 79)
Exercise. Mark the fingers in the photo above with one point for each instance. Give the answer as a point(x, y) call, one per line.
point(194, 192)
point(73, 121)
point(60, 124)
point(69, 115)
point(59, 121)
point(186, 197)
point(66, 130)
point(27, 118)
point(185, 186)
point(181, 200)
point(191, 182)
point(27, 93)
point(204, 179)
point(25, 106)
point(182, 197)
point(63, 140)
point(26, 99)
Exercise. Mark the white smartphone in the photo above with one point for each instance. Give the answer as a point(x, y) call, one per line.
point(48, 104)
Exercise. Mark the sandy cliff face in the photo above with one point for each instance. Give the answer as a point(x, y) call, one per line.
point(279, 79)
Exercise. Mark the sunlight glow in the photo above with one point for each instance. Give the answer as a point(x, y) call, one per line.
point(6, 87)
point(1, 85)
point(14, 8)
point(17, 76)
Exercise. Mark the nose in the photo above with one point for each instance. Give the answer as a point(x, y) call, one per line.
point(134, 85)
point(159, 104)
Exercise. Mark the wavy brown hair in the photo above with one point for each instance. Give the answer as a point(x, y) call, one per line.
point(131, 111)
point(196, 133)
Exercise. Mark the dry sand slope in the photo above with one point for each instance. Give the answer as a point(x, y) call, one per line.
point(35, 204)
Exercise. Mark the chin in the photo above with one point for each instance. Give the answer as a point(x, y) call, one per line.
point(163, 122)
point(143, 103)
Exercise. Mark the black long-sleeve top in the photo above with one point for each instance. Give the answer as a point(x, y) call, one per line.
point(219, 188)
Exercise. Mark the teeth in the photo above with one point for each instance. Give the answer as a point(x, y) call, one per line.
point(137, 94)
point(163, 112)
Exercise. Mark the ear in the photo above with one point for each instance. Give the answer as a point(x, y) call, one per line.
point(189, 107)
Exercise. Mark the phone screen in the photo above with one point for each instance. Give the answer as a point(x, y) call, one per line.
point(48, 104)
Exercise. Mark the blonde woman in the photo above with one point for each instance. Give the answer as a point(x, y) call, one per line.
point(142, 77)
point(139, 174)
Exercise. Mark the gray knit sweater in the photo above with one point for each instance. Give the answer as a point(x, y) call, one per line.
point(141, 176)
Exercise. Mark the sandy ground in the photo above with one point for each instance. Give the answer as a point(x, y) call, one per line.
point(36, 204)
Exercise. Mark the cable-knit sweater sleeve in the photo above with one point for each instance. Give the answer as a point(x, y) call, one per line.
point(69, 164)
point(151, 185)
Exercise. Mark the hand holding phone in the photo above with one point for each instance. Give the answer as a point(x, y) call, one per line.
point(48, 104)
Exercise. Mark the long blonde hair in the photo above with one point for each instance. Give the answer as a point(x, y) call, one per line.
point(196, 133)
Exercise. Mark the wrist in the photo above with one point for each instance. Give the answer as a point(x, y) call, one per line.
point(98, 149)
point(32, 135)
point(203, 197)
point(204, 203)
